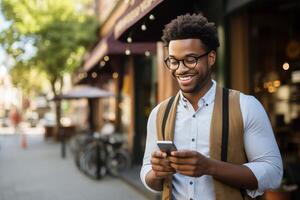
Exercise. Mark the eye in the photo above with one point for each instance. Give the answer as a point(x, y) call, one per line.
point(190, 59)
point(173, 61)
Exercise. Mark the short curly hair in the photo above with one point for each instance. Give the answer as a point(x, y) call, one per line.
point(193, 26)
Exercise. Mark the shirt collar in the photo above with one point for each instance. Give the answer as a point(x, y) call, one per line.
point(207, 99)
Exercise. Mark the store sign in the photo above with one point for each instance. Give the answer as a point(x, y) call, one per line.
point(135, 12)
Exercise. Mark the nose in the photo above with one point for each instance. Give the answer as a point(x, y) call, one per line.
point(181, 66)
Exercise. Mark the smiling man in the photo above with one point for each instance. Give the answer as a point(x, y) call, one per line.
point(224, 151)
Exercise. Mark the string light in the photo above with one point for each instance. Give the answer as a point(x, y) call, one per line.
point(81, 75)
point(129, 39)
point(151, 17)
point(102, 63)
point(286, 66)
point(127, 52)
point(147, 53)
point(94, 75)
point(115, 75)
point(144, 27)
point(106, 58)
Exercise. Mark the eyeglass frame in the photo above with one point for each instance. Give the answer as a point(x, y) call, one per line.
point(182, 60)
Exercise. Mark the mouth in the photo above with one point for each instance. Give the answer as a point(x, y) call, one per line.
point(185, 78)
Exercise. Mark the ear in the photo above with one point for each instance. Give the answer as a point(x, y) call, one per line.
point(211, 58)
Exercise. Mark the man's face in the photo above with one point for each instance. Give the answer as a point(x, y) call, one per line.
point(191, 80)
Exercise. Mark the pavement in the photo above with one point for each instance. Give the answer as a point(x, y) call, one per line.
point(39, 173)
point(132, 177)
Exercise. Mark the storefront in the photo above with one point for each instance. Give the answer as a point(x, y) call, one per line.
point(259, 54)
point(265, 62)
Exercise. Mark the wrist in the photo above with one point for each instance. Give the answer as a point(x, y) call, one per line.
point(211, 167)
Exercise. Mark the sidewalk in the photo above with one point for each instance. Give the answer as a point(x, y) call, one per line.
point(39, 173)
point(132, 177)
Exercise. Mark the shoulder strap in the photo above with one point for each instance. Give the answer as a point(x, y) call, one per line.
point(225, 124)
point(165, 117)
point(165, 122)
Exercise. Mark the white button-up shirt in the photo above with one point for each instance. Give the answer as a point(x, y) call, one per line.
point(192, 131)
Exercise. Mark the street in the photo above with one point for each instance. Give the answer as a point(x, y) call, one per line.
point(39, 173)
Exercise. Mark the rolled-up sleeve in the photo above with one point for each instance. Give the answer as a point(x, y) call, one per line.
point(151, 146)
point(264, 159)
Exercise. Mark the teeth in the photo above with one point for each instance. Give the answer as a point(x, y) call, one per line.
point(184, 78)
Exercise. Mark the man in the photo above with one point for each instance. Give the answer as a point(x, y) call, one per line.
point(192, 43)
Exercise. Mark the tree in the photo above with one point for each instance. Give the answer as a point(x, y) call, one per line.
point(50, 36)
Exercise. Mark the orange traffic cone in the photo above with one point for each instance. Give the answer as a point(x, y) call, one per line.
point(23, 141)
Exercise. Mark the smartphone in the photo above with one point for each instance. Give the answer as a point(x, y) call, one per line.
point(166, 146)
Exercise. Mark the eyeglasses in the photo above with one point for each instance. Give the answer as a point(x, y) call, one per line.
point(188, 61)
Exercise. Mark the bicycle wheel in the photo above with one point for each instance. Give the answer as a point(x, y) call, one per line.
point(119, 162)
point(95, 161)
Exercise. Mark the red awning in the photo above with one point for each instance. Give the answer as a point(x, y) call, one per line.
point(109, 46)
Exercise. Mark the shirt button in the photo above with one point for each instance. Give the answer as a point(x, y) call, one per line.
point(194, 116)
point(191, 182)
point(193, 139)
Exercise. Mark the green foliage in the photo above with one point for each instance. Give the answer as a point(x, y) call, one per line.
point(59, 30)
point(30, 79)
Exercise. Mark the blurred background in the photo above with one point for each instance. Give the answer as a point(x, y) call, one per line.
point(80, 77)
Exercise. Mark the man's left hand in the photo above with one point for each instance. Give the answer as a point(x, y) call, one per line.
point(189, 163)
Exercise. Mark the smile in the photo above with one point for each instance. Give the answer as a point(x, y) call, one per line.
point(185, 77)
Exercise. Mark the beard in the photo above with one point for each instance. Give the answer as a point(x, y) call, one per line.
point(196, 84)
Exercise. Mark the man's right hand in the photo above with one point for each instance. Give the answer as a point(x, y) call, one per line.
point(160, 170)
point(160, 165)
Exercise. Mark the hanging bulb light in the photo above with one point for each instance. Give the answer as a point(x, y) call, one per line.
point(127, 52)
point(115, 75)
point(129, 39)
point(81, 76)
point(106, 58)
point(147, 53)
point(151, 17)
point(286, 66)
point(94, 75)
point(144, 27)
point(102, 63)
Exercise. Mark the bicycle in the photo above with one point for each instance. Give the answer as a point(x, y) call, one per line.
point(102, 154)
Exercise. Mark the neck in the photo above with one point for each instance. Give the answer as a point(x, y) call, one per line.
point(196, 96)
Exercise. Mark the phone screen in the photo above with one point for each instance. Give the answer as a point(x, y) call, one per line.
point(166, 146)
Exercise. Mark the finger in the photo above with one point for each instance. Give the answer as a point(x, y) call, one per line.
point(187, 161)
point(159, 154)
point(163, 174)
point(183, 167)
point(160, 168)
point(184, 153)
point(160, 161)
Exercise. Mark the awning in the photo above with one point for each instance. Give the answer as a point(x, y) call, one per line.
point(145, 19)
point(85, 92)
point(109, 46)
point(233, 5)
